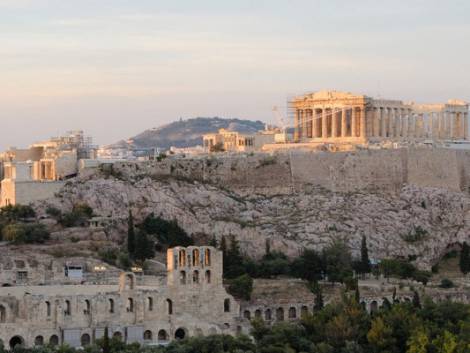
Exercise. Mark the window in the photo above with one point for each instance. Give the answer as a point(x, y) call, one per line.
point(292, 313)
point(196, 257)
point(182, 277)
point(304, 311)
point(39, 341)
point(148, 335)
point(247, 314)
point(85, 340)
point(54, 340)
point(196, 277)
point(182, 258)
point(150, 303)
point(48, 309)
point(169, 306)
point(87, 309)
point(130, 305)
point(162, 336)
point(3, 314)
point(208, 276)
point(268, 315)
point(111, 306)
point(68, 309)
point(207, 257)
point(280, 314)
point(226, 305)
point(258, 314)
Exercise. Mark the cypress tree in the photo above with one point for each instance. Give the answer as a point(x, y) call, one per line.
point(318, 298)
point(365, 262)
point(465, 258)
point(416, 300)
point(130, 234)
point(357, 294)
point(106, 346)
point(143, 247)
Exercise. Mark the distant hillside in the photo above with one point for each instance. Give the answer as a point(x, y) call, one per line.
point(187, 133)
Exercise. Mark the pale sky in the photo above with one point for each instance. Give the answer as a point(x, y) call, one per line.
point(117, 67)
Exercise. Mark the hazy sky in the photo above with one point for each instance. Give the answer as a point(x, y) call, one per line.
point(116, 67)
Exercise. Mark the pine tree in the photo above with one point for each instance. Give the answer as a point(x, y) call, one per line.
point(357, 294)
point(144, 247)
point(465, 258)
point(416, 300)
point(318, 298)
point(105, 345)
point(130, 234)
point(365, 262)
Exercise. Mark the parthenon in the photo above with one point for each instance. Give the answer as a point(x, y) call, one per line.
point(331, 116)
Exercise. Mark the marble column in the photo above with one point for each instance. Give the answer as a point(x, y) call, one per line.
point(465, 126)
point(314, 123)
point(353, 122)
point(324, 122)
point(362, 122)
point(383, 123)
point(404, 124)
point(343, 122)
point(377, 124)
point(391, 122)
point(334, 121)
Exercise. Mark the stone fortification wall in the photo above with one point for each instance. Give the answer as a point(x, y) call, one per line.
point(280, 173)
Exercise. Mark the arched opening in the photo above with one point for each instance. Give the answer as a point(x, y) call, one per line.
point(196, 257)
point(126, 281)
point(87, 309)
point(247, 314)
point(374, 306)
point(182, 277)
point(150, 303)
point(3, 314)
point(48, 309)
point(227, 305)
point(280, 314)
point(162, 336)
point(16, 341)
point(196, 277)
point(117, 335)
point(39, 341)
point(85, 340)
point(68, 308)
point(268, 315)
point(292, 313)
point(363, 305)
point(304, 311)
point(257, 313)
point(130, 305)
point(208, 276)
point(180, 334)
point(148, 335)
point(207, 257)
point(169, 306)
point(54, 340)
point(111, 305)
point(182, 258)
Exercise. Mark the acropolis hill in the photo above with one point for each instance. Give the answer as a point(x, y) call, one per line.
point(297, 199)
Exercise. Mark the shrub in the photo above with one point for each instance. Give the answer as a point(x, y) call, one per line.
point(53, 212)
point(12, 213)
point(78, 217)
point(167, 232)
point(446, 283)
point(20, 233)
point(241, 287)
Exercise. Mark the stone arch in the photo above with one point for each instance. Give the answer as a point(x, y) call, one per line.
point(207, 257)
point(162, 336)
point(196, 276)
point(3, 314)
point(48, 308)
point(130, 305)
point(148, 336)
point(85, 340)
point(111, 305)
point(374, 306)
point(169, 306)
point(196, 257)
point(39, 341)
point(268, 315)
point(87, 310)
point(247, 314)
point(118, 335)
point(54, 340)
point(150, 303)
point(258, 313)
point(227, 305)
point(180, 333)
point(16, 341)
point(292, 313)
point(304, 311)
point(126, 281)
point(182, 277)
point(280, 314)
point(208, 276)
point(182, 258)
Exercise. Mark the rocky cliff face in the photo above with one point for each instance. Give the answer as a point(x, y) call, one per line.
point(413, 221)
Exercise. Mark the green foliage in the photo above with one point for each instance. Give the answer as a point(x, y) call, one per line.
point(78, 217)
point(25, 233)
point(130, 234)
point(464, 262)
point(168, 233)
point(14, 213)
point(54, 212)
point(144, 247)
point(338, 262)
point(418, 234)
point(446, 283)
point(364, 263)
point(308, 266)
point(241, 287)
point(403, 269)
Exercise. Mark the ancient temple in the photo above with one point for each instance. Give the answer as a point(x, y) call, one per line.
point(330, 116)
